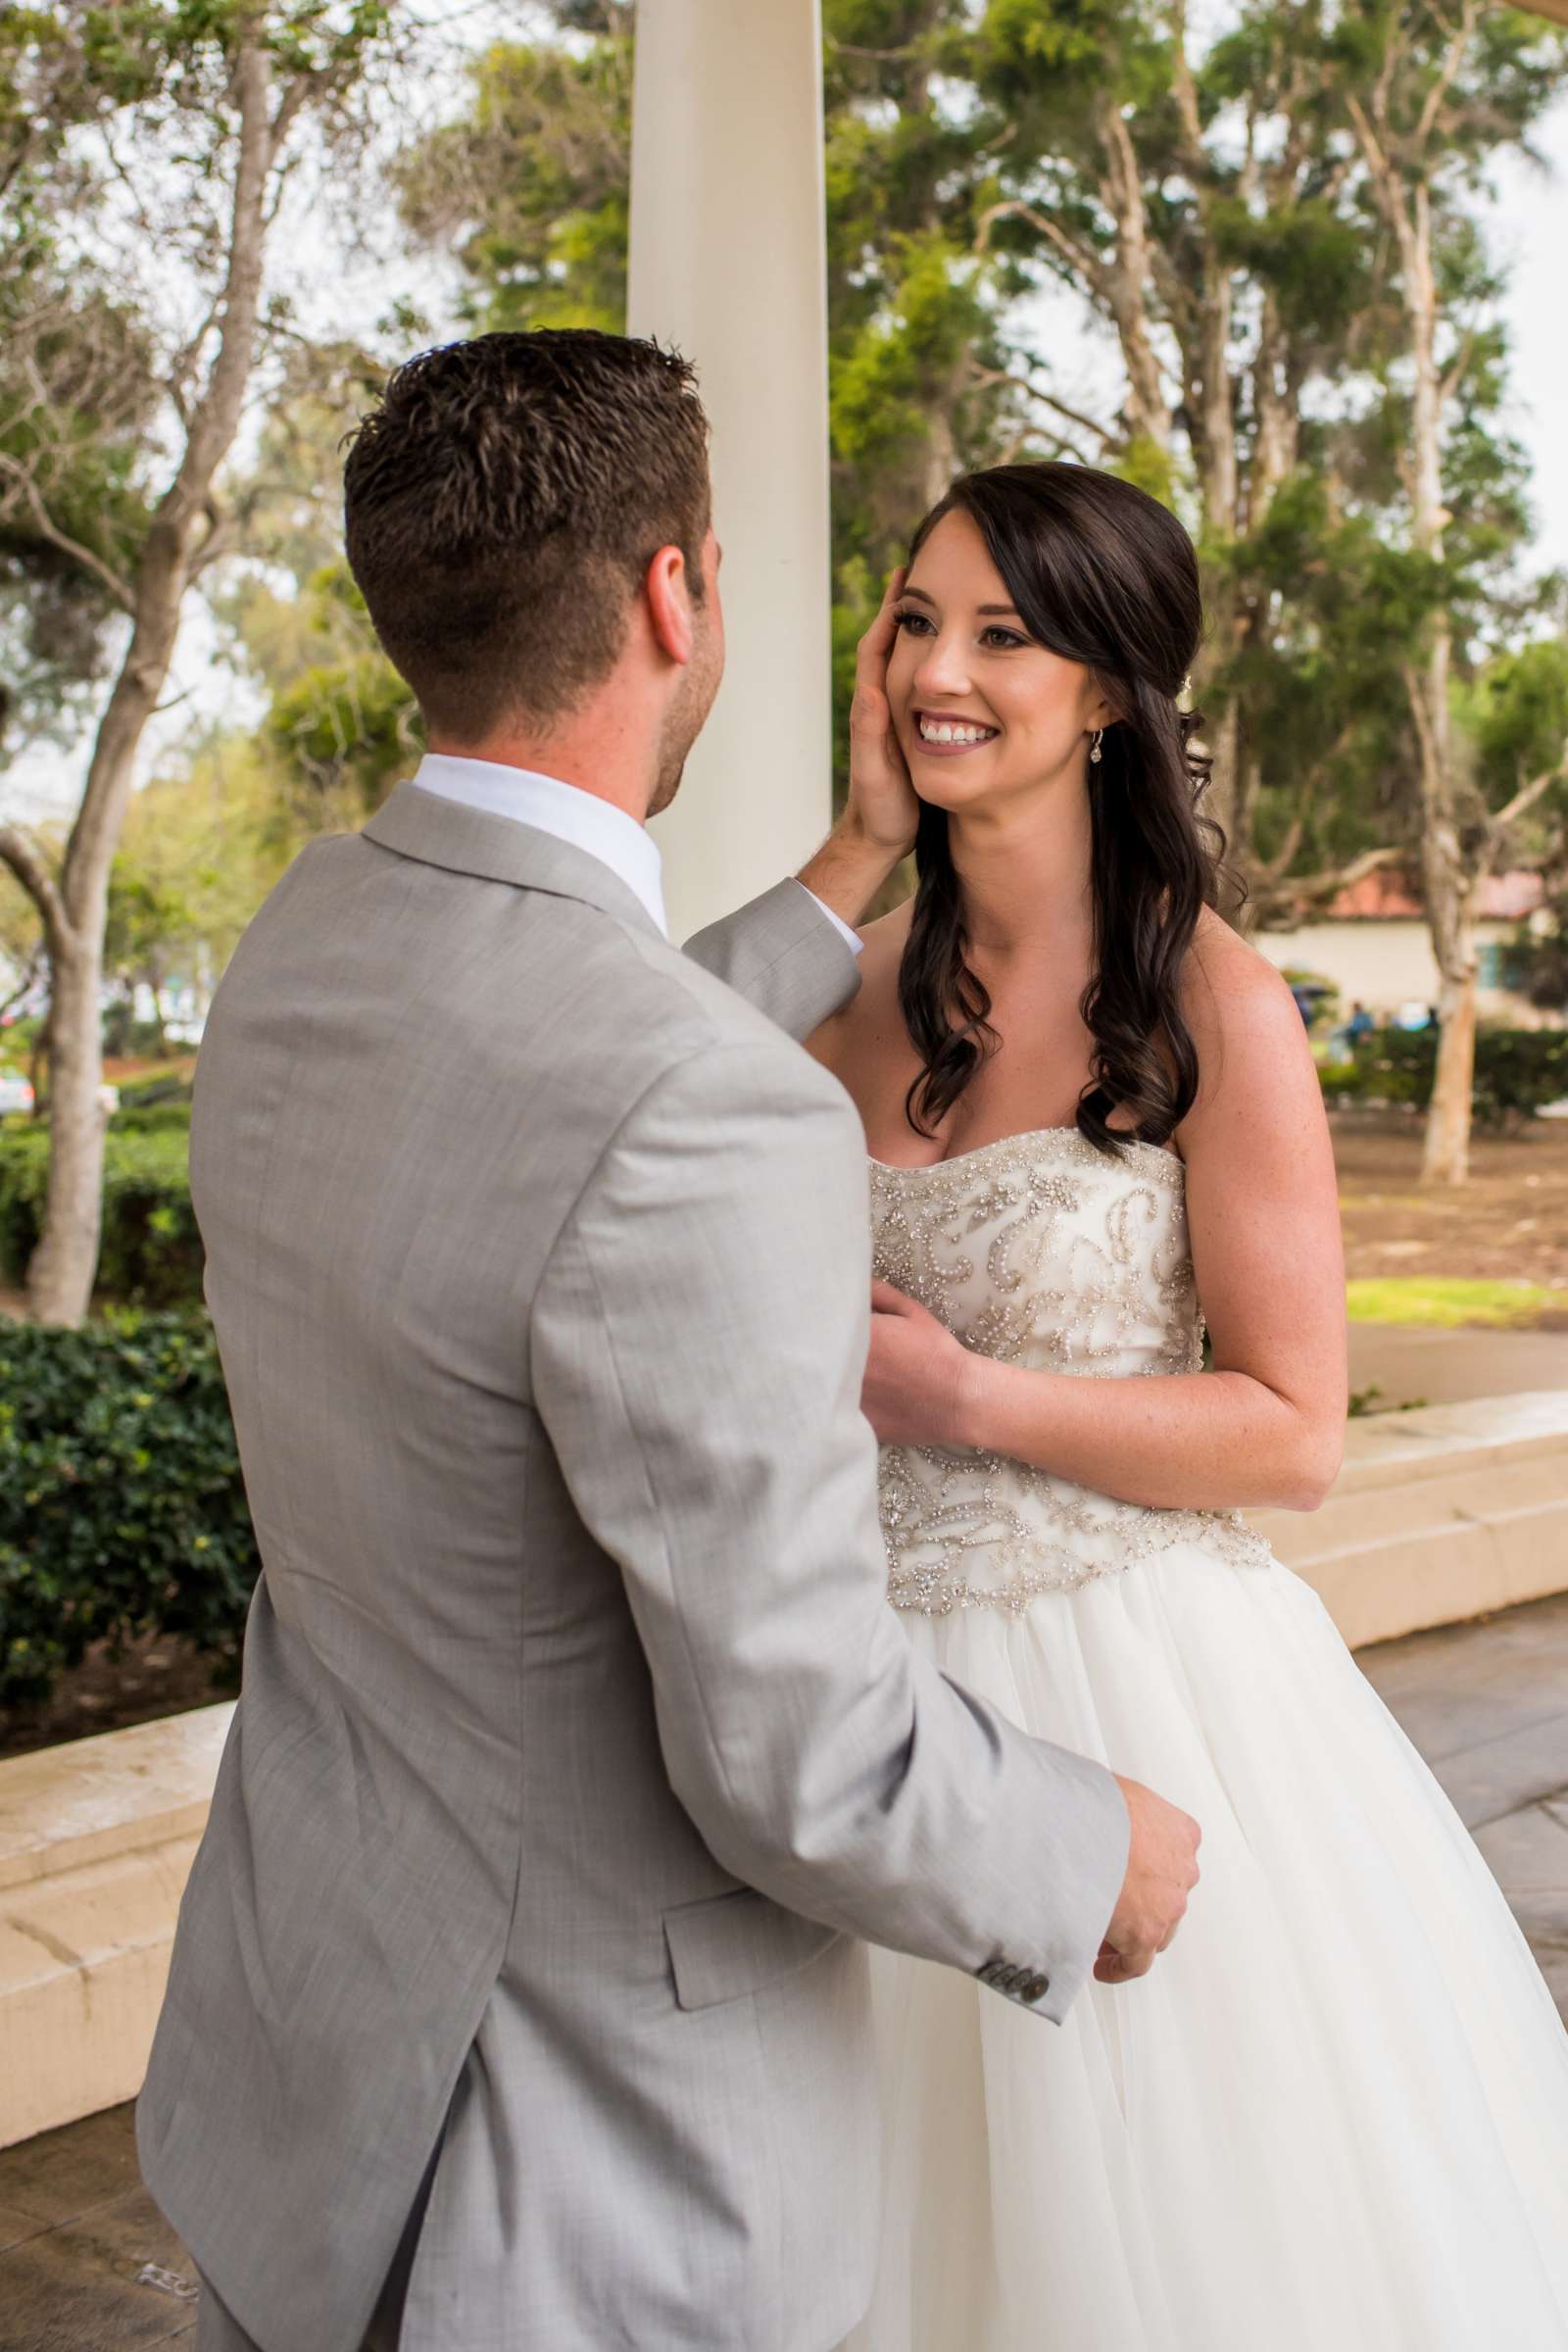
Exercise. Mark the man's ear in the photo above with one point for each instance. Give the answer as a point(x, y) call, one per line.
point(667, 590)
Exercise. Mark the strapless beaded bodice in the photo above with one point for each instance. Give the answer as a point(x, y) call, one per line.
point(1042, 1252)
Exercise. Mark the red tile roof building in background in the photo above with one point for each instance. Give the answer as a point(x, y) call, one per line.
point(1387, 896)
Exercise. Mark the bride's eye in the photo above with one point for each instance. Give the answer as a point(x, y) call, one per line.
point(911, 620)
point(1002, 640)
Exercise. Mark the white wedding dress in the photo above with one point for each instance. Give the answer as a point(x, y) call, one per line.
point(1334, 2117)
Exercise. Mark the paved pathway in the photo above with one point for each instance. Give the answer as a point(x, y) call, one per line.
point(1488, 1706)
point(88, 2265)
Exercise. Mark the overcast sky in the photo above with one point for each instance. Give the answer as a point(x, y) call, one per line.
point(1530, 227)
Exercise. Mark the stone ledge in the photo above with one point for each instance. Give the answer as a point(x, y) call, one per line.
point(62, 1806)
point(1438, 1515)
point(96, 1840)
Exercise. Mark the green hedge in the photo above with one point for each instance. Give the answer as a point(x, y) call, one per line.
point(154, 1094)
point(151, 1118)
point(1518, 1071)
point(122, 1507)
point(152, 1252)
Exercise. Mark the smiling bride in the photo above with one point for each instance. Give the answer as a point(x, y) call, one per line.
point(1335, 2118)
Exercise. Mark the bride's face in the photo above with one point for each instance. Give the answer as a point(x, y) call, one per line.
point(982, 712)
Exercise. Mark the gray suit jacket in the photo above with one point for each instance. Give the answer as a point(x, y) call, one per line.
point(539, 1265)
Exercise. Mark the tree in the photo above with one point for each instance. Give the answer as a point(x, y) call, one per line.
point(1193, 201)
point(201, 848)
point(1431, 97)
point(531, 186)
point(212, 91)
point(341, 726)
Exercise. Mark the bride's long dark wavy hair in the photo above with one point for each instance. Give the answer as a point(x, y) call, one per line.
point(1103, 574)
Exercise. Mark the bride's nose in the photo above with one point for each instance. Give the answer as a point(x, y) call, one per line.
point(943, 667)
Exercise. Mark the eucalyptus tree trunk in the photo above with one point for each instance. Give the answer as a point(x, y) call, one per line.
point(1202, 308)
point(1451, 881)
point(1451, 894)
point(1451, 891)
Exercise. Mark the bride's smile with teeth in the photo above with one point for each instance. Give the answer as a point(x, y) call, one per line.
point(938, 727)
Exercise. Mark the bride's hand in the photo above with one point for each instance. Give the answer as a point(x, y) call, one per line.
point(916, 1375)
point(882, 801)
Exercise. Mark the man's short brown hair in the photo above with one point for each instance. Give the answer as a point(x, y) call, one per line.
point(502, 506)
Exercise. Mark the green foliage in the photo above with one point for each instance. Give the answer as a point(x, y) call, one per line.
point(77, 393)
point(1372, 1399)
point(531, 185)
point(152, 1252)
point(348, 727)
point(153, 1119)
point(1537, 959)
point(1518, 720)
point(122, 1506)
point(1518, 1071)
point(92, 375)
point(168, 1090)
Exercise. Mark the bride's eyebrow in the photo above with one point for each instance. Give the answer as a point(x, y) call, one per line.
point(920, 597)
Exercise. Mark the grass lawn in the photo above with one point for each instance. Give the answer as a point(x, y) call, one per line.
point(1439, 1304)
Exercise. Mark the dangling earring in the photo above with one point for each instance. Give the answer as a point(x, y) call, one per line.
point(1093, 748)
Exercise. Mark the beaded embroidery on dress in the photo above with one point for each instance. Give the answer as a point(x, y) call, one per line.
point(1038, 1249)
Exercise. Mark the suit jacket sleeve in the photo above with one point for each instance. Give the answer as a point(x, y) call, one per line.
point(784, 955)
point(697, 1348)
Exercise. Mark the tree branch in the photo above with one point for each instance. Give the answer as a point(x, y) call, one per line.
point(1184, 92)
point(1372, 149)
point(1526, 798)
point(1307, 890)
point(1082, 257)
point(26, 862)
point(14, 470)
point(1460, 41)
point(1453, 376)
point(30, 975)
point(1103, 433)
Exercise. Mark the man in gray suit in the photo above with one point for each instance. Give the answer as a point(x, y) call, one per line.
point(516, 2000)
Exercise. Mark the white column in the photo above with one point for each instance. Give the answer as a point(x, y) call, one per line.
point(728, 263)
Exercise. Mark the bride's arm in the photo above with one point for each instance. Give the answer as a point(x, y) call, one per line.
point(1266, 1424)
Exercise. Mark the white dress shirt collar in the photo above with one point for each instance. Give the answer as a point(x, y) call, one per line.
point(564, 810)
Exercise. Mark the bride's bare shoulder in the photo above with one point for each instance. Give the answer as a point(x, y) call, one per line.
point(1252, 1050)
point(853, 1033)
point(1226, 982)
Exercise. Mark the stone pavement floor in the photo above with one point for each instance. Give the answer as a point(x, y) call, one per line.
point(86, 2260)
point(87, 2264)
point(1486, 1704)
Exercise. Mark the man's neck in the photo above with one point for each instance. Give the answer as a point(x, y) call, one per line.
point(590, 759)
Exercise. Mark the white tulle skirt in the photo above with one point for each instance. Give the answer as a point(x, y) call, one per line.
point(1334, 2118)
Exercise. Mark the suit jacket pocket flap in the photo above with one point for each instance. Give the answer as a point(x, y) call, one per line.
point(733, 1944)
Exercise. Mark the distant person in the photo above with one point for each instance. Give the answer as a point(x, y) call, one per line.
point(1336, 2119)
point(1360, 1024)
